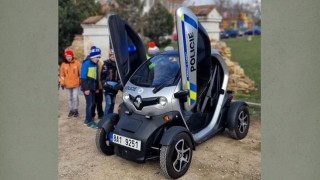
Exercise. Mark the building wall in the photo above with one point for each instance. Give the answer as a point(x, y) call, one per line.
point(97, 35)
point(212, 29)
point(101, 42)
point(214, 16)
point(212, 24)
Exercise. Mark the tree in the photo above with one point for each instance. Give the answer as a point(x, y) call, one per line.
point(130, 11)
point(71, 14)
point(221, 5)
point(158, 23)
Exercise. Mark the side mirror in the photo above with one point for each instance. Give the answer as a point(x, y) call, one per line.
point(182, 95)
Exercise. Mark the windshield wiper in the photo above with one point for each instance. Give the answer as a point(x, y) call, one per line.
point(165, 83)
point(158, 88)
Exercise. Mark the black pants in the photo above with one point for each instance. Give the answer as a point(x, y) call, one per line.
point(98, 104)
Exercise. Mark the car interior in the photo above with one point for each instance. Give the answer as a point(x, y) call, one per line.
point(209, 83)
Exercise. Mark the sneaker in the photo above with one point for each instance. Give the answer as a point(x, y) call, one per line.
point(71, 113)
point(76, 113)
point(93, 125)
point(87, 124)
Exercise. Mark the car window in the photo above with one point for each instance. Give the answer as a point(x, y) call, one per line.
point(156, 71)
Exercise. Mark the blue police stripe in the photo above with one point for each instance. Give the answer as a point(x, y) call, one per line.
point(190, 21)
point(185, 50)
point(192, 101)
point(193, 87)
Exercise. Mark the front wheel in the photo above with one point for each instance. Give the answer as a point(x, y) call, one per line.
point(175, 159)
point(103, 142)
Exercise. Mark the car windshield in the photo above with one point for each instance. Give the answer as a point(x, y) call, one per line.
point(158, 71)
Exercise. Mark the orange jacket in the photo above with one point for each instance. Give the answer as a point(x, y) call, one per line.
point(70, 74)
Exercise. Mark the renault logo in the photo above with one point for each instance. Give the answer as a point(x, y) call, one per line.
point(137, 102)
point(140, 91)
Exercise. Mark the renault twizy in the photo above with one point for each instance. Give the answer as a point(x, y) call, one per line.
point(171, 102)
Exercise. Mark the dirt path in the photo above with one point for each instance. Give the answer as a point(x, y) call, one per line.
point(219, 158)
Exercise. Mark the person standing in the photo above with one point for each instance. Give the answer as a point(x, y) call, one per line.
point(70, 80)
point(89, 83)
point(98, 96)
point(110, 81)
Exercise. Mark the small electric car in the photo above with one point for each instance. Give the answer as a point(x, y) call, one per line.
point(171, 102)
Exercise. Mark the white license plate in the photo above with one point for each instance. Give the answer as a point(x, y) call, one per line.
point(128, 142)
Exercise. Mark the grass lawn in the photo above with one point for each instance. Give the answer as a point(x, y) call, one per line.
point(248, 55)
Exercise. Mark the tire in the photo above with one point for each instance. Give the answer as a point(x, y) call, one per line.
point(102, 142)
point(175, 158)
point(238, 121)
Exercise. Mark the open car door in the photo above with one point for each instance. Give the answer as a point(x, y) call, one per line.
point(194, 47)
point(128, 48)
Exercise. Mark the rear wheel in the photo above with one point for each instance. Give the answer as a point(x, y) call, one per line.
point(238, 121)
point(175, 159)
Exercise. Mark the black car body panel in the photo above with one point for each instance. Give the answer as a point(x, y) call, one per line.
point(128, 47)
point(148, 130)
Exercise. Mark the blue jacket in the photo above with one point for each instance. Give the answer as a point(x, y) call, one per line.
point(89, 75)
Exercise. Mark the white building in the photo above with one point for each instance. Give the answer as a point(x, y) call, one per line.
point(209, 18)
point(96, 32)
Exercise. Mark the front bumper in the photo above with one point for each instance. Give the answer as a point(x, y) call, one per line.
point(148, 130)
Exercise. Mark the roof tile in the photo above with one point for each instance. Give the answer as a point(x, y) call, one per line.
point(203, 10)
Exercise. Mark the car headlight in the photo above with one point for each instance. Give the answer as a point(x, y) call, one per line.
point(163, 101)
point(126, 96)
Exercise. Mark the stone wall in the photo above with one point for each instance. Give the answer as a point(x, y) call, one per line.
point(77, 47)
point(238, 81)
